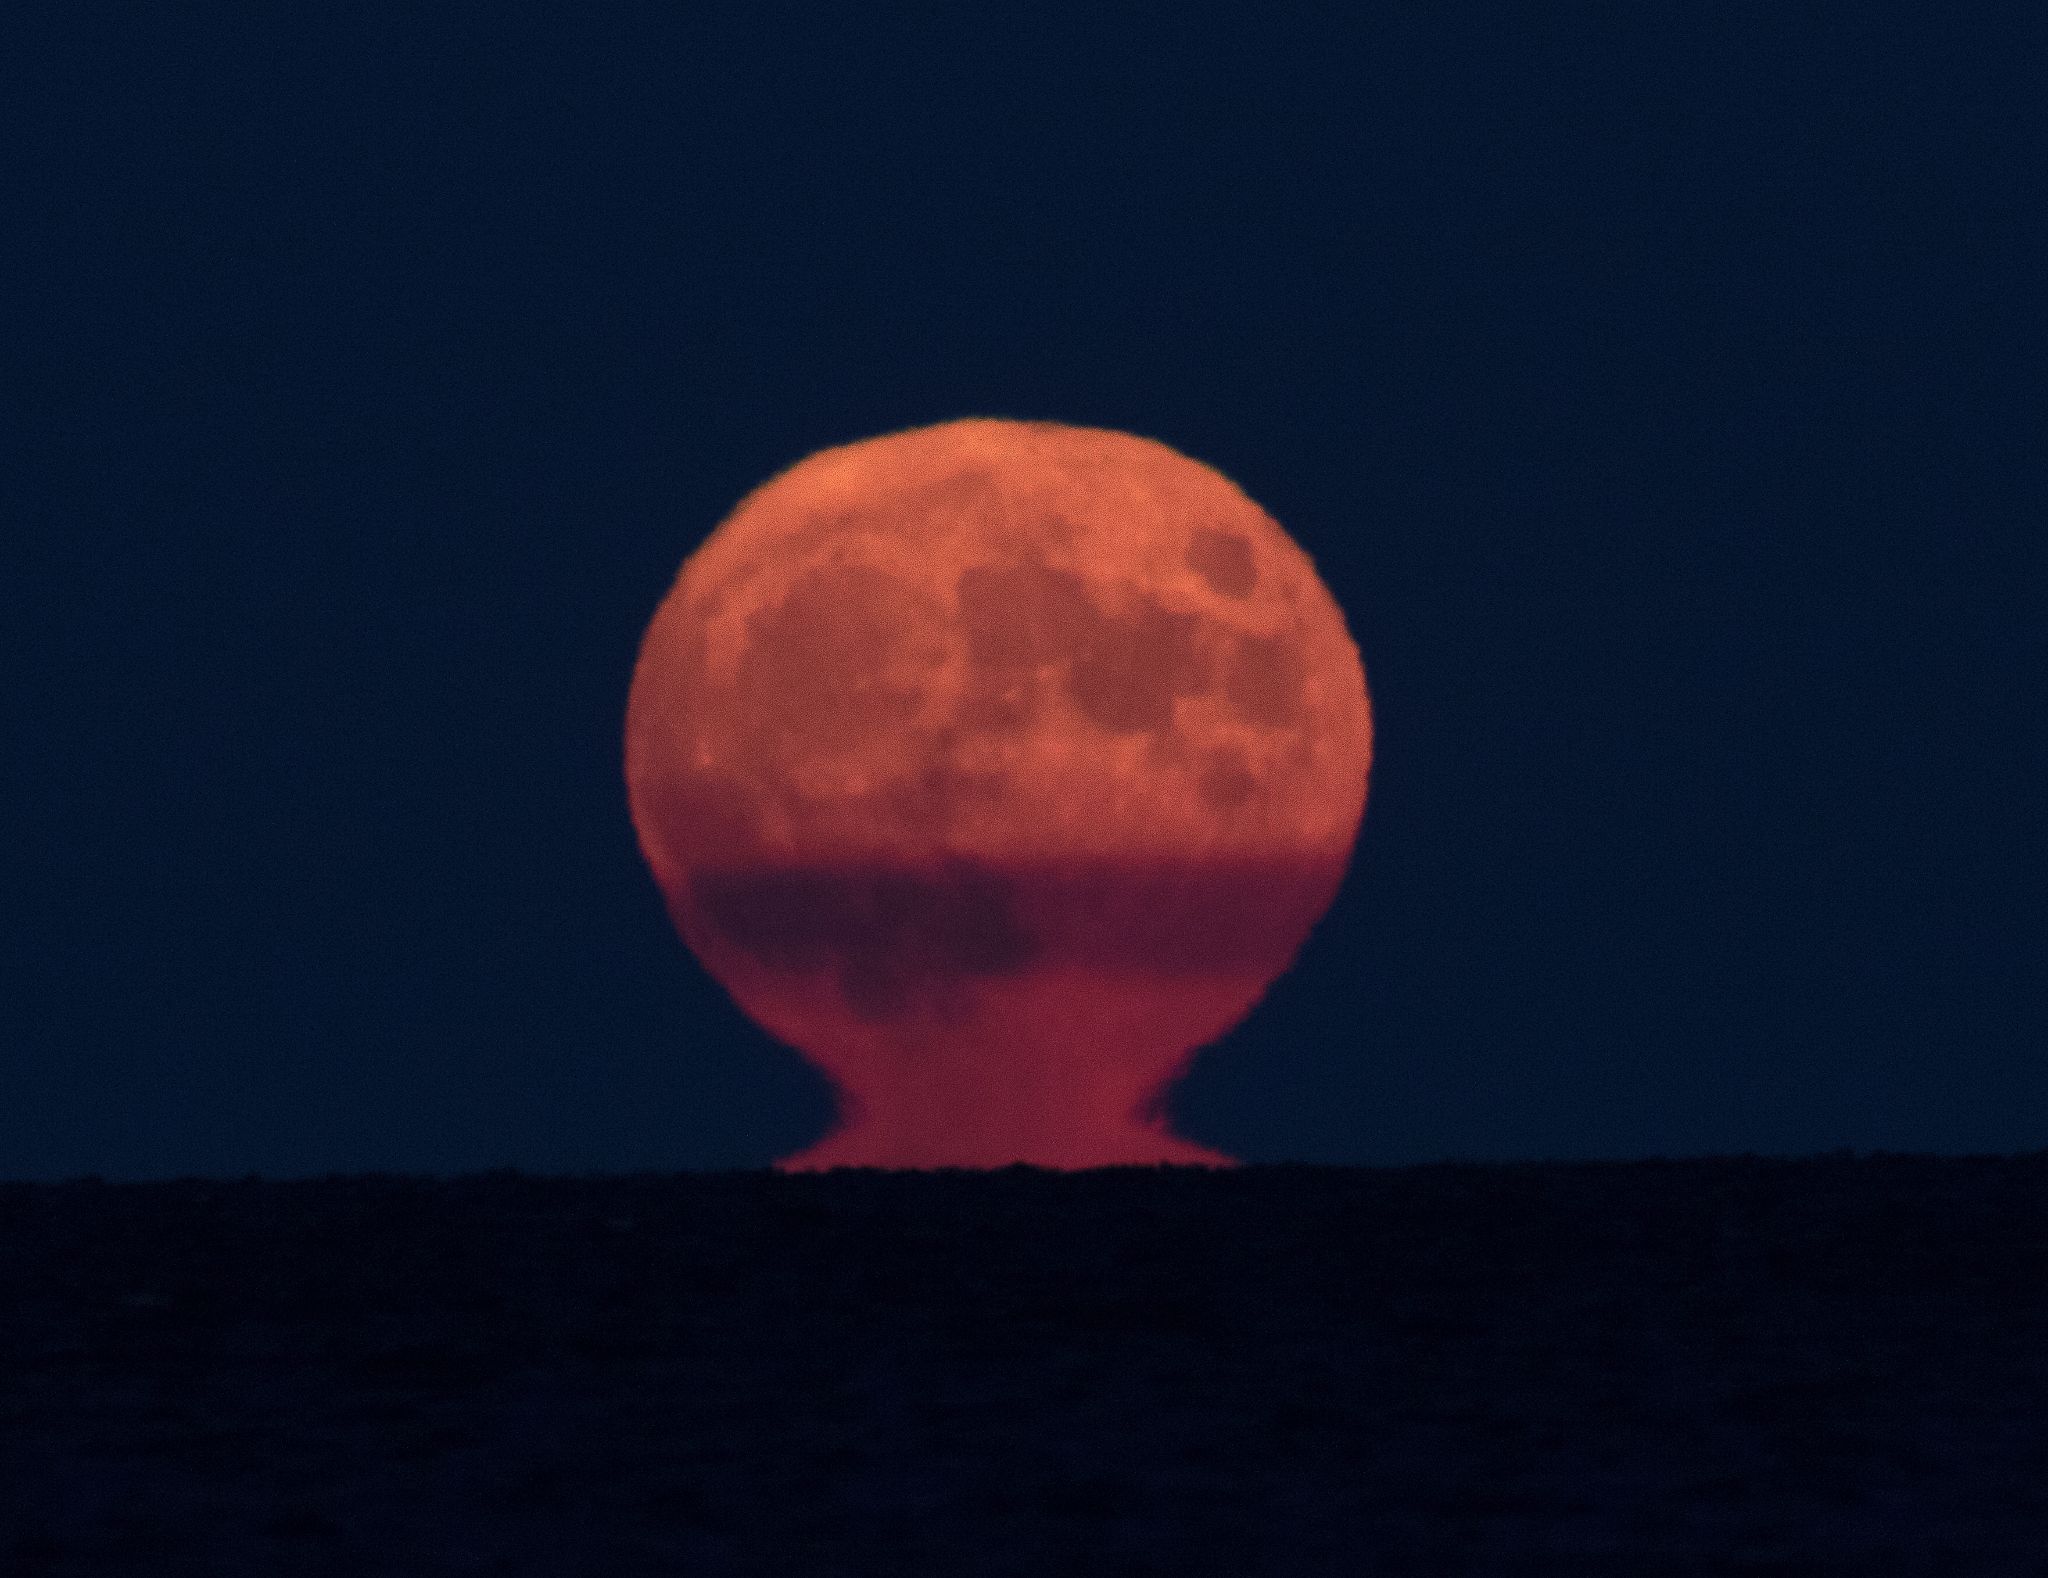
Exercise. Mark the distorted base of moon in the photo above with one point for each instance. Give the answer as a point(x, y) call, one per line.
point(997, 767)
point(977, 1016)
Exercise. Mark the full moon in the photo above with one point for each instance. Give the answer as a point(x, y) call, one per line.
point(997, 767)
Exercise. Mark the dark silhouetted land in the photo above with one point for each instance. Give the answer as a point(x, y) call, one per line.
point(1821, 1366)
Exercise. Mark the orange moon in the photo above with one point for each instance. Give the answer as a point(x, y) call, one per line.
point(996, 767)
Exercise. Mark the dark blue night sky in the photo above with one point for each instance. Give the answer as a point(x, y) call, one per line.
point(1657, 390)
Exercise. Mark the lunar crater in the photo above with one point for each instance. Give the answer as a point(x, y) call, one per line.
point(1022, 614)
point(1121, 668)
point(1267, 680)
point(1227, 780)
point(1224, 560)
point(1126, 677)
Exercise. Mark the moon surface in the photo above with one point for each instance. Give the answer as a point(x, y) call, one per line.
point(996, 767)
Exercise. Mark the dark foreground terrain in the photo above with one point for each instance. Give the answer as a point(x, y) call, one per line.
point(1837, 1365)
